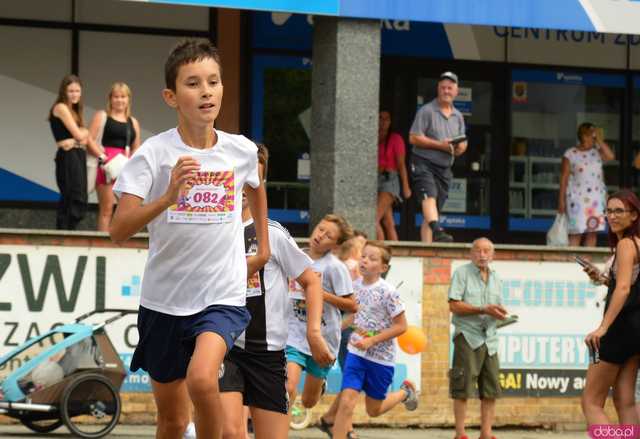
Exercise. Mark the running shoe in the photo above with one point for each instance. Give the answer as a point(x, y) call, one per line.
point(411, 400)
point(441, 236)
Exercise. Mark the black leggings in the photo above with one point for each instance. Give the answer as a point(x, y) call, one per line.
point(71, 176)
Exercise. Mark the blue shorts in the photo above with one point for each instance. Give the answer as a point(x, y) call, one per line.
point(307, 363)
point(365, 375)
point(167, 342)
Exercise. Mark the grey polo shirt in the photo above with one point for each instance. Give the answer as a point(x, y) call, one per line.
point(467, 285)
point(430, 122)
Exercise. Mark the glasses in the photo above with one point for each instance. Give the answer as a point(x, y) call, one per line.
point(616, 212)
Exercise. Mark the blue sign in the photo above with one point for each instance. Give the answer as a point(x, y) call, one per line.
point(614, 16)
point(274, 30)
point(569, 78)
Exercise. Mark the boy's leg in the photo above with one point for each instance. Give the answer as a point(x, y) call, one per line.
point(174, 407)
point(344, 416)
point(377, 407)
point(312, 390)
point(294, 372)
point(202, 383)
point(232, 415)
point(268, 424)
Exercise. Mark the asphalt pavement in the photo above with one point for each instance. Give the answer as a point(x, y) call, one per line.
point(148, 431)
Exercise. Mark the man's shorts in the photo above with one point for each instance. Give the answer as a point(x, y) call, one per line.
point(307, 363)
point(167, 342)
point(430, 181)
point(365, 375)
point(261, 377)
point(473, 368)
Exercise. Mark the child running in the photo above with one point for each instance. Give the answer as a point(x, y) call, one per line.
point(369, 366)
point(254, 371)
point(332, 231)
point(185, 185)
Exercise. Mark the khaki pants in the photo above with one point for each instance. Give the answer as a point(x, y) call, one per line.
point(473, 369)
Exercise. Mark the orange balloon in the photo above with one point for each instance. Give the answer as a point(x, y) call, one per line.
point(413, 340)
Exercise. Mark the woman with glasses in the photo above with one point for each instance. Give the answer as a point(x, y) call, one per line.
point(615, 344)
point(582, 188)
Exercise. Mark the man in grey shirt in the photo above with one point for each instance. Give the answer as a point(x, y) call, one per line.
point(433, 135)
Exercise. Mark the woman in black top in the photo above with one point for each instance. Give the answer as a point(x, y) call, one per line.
point(617, 340)
point(65, 118)
point(118, 133)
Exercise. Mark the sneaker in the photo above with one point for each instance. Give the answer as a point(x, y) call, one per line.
point(441, 236)
point(190, 432)
point(411, 400)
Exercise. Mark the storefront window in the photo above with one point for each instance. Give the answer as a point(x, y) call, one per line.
point(635, 135)
point(282, 119)
point(546, 109)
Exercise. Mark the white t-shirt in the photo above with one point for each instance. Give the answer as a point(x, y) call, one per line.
point(335, 280)
point(268, 289)
point(378, 304)
point(196, 247)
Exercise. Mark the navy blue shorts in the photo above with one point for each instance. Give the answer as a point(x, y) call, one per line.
point(365, 375)
point(167, 342)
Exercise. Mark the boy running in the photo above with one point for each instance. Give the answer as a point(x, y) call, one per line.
point(332, 231)
point(369, 366)
point(185, 185)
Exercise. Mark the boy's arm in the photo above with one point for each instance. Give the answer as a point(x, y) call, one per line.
point(348, 321)
point(345, 303)
point(131, 215)
point(313, 298)
point(398, 327)
point(257, 198)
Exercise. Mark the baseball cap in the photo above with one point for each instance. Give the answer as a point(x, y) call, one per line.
point(450, 76)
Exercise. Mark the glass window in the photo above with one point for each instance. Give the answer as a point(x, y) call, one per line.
point(39, 59)
point(469, 192)
point(282, 119)
point(546, 109)
point(635, 135)
point(59, 10)
point(144, 14)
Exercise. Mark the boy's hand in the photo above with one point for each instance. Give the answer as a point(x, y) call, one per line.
point(364, 343)
point(255, 263)
point(320, 350)
point(184, 169)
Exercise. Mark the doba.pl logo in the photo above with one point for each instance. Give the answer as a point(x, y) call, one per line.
point(606, 431)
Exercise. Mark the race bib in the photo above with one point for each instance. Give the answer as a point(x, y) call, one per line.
point(208, 198)
point(295, 289)
point(254, 286)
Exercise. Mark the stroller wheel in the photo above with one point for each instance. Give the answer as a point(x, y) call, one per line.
point(41, 425)
point(90, 406)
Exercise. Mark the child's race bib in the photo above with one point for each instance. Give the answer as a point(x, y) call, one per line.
point(208, 198)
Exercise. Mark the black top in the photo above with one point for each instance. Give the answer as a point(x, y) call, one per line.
point(633, 299)
point(118, 134)
point(60, 132)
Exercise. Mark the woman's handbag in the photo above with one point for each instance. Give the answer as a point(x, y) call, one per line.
point(114, 166)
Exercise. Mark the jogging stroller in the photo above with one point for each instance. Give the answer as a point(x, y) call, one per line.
point(69, 375)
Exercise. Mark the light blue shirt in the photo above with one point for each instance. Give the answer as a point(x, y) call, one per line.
point(467, 285)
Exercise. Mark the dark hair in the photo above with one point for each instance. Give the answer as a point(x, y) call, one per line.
point(185, 52)
point(76, 109)
point(631, 202)
point(583, 128)
point(263, 158)
point(385, 250)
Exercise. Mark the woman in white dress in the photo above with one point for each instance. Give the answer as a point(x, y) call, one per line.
point(582, 188)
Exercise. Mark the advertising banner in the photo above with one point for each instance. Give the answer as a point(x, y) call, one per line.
point(45, 286)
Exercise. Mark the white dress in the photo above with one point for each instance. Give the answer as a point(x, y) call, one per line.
point(586, 191)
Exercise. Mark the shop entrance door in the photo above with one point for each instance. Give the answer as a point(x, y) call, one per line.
point(476, 196)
